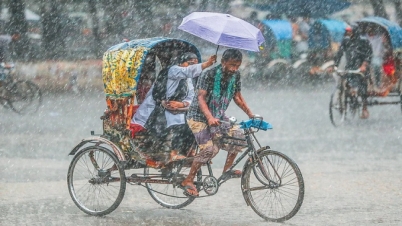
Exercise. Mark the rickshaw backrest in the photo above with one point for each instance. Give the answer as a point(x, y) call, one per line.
point(394, 31)
point(326, 33)
point(128, 66)
point(278, 35)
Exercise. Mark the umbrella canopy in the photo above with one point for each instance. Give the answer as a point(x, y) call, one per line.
point(311, 8)
point(223, 29)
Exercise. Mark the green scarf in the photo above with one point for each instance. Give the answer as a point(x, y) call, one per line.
point(219, 103)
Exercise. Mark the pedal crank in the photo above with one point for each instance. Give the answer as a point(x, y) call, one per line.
point(210, 185)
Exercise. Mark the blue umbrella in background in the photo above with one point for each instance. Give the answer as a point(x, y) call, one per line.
point(311, 8)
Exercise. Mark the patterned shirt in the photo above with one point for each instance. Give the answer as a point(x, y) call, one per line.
point(206, 82)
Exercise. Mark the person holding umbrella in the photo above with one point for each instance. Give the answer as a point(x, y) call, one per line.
point(215, 90)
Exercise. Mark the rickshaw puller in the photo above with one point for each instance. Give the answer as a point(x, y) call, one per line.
point(358, 52)
point(215, 90)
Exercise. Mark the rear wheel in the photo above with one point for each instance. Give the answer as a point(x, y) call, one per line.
point(273, 186)
point(338, 107)
point(96, 181)
point(169, 194)
point(278, 71)
point(25, 97)
point(302, 73)
point(355, 106)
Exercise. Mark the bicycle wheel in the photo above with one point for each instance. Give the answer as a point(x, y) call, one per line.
point(96, 182)
point(337, 107)
point(277, 194)
point(25, 97)
point(169, 195)
point(355, 104)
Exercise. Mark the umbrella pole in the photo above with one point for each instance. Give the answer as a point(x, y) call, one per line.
point(216, 52)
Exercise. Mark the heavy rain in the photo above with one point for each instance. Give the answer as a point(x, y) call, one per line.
point(326, 74)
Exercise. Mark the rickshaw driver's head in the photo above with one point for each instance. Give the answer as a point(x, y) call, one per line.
point(231, 61)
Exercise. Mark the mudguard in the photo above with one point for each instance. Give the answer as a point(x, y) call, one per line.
point(327, 64)
point(277, 61)
point(97, 140)
point(298, 63)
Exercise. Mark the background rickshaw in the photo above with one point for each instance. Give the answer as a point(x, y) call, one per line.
point(103, 164)
point(346, 105)
point(324, 39)
point(273, 60)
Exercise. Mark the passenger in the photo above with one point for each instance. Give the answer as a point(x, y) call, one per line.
point(179, 91)
point(5, 53)
point(378, 44)
point(304, 29)
point(214, 92)
point(358, 54)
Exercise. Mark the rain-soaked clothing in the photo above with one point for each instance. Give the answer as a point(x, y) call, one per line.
point(357, 51)
point(175, 75)
point(160, 122)
point(219, 95)
point(209, 142)
point(5, 41)
point(207, 82)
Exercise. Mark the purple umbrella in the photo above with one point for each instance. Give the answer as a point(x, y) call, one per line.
point(223, 29)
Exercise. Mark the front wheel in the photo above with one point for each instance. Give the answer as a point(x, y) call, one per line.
point(96, 181)
point(25, 97)
point(338, 107)
point(273, 186)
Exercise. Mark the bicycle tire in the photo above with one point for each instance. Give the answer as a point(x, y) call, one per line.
point(279, 196)
point(89, 201)
point(337, 107)
point(162, 193)
point(25, 98)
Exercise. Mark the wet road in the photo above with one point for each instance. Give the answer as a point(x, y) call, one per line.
point(352, 174)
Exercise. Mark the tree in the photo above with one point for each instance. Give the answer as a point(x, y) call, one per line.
point(398, 10)
point(53, 44)
point(95, 27)
point(19, 24)
point(379, 9)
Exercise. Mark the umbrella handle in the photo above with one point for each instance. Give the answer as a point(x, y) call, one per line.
point(216, 53)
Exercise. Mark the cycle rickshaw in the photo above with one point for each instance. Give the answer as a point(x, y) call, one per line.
point(273, 60)
point(21, 96)
point(324, 39)
point(345, 102)
point(271, 182)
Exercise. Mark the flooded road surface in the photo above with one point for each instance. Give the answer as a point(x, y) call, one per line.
point(352, 174)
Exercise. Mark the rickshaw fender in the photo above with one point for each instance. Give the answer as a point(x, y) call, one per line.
point(298, 63)
point(97, 140)
point(327, 64)
point(277, 61)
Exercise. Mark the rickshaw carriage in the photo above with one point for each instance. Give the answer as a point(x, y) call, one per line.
point(324, 39)
point(273, 60)
point(129, 70)
point(346, 103)
point(390, 83)
point(97, 177)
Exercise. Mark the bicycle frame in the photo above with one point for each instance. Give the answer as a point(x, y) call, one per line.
point(251, 152)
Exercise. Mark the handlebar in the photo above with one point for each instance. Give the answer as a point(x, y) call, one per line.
point(349, 71)
point(344, 72)
point(256, 122)
point(233, 119)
